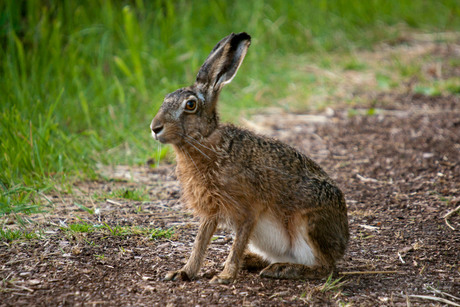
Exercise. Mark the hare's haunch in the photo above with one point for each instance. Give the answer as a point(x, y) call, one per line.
point(289, 217)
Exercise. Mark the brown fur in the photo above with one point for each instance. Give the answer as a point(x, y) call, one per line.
point(232, 176)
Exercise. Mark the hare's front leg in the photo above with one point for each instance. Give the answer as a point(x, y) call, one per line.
point(190, 270)
point(236, 256)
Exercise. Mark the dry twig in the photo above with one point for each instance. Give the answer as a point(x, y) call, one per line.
point(369, 272)
point(365, 179)
point(114, 202)
point(449, 214)
point(434, 298)
point(429, 288)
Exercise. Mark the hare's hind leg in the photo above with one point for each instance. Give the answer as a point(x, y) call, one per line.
point(321, 240)
point(305, 263)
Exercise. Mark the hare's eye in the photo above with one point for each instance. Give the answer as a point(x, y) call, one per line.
point(190, 105)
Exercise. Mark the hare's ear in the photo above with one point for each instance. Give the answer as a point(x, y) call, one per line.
point(223, 62)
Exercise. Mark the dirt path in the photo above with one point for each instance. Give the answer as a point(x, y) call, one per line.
point(399, 169)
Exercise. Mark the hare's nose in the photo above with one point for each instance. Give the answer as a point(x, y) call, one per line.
point(156, 129)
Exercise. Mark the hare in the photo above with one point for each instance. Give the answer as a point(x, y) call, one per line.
point(288, 216)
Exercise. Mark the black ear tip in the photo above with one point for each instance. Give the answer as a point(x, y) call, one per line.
point(236, 39)
point(243, 36)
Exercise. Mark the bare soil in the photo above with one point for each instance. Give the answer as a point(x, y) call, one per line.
point(398, 165)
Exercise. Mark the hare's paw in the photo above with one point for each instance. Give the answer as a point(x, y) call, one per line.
point(282, 271)
point(274, 270)
point(253, 262)
point(295, 271)
point(177, 275)
point(222, 279)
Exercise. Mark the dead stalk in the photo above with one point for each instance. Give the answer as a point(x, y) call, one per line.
point(369, 272)
point(449, 214)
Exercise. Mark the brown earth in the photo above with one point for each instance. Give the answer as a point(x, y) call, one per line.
point(398, 164)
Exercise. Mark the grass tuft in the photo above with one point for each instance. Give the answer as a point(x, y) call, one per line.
point(118, 230)
point(10, 235)
point(332, 285)
point(159, 233)
point(134, 194)
point(79, 227)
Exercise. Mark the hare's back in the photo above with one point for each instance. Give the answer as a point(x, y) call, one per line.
point(249, 151)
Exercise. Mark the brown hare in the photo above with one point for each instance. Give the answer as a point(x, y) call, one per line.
point(288, 216)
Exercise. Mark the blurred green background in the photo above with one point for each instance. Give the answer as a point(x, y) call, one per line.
point(81, 80)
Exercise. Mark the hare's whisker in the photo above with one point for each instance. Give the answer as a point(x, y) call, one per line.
point(198, 149)
point(198, 142)
point(205, 155)
point(232, 201)
point(158, 154)
point(191, 159)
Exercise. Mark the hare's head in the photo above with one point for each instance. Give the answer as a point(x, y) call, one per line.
point(191, 111)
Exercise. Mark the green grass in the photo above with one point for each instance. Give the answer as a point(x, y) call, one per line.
point(19, 199)
point(81, 80)
point(159, 233)
point(9, 235)
point(113, 230)
point(154, 234)
point(80, 227)
point(130, 194)
point(332, 285)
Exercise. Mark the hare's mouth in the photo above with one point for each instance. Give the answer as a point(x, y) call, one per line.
point(154, 135)
point(159, 137)
point(165, 137)
point(157, 131)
